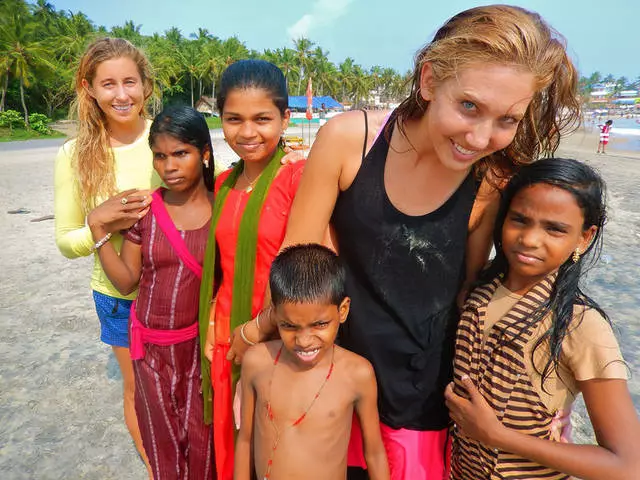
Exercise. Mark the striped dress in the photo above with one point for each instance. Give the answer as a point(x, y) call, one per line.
point(168, 400)
point(496, 365)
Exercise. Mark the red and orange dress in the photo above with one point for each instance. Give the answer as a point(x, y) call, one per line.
point(271, 230)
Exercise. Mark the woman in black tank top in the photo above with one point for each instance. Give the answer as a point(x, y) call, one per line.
point(493, 90)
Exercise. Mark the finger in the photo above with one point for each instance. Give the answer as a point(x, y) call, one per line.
point(231, 355)
point(448, 392)
point(143, 212)
point(135, 201)
point(470, 387)
point(126, 193)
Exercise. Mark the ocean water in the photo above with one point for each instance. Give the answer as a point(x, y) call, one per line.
point(625, 133)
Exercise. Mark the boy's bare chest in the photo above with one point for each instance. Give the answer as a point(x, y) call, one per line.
point(304, 399)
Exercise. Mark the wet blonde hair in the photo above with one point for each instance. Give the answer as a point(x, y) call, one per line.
point(93, 158)
point(512, 36)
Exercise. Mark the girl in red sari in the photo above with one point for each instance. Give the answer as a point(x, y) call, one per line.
point(250, 213)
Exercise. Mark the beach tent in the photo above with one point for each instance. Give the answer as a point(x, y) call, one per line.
point(620, 101)
point(300, 102)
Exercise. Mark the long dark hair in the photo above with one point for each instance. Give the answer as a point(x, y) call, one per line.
point(588, 189)
point(188, 126)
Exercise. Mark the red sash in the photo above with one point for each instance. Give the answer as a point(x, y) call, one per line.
point(139, 334)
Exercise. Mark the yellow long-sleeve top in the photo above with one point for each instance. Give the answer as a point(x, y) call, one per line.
point(133, 169)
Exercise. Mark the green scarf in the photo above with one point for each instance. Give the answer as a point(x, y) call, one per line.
point(244, 269)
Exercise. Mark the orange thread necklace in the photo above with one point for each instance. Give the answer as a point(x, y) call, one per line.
point(300, 419)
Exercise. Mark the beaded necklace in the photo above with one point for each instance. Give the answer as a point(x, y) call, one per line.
point(300, 419)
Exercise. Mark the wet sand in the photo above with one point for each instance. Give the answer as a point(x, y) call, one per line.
point(60, 394)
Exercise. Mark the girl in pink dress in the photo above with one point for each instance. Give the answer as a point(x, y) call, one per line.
point(162, 255)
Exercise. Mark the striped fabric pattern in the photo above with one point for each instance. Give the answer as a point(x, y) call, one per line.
point(497, 368)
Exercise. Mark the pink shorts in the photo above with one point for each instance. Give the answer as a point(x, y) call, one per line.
point(412, 454)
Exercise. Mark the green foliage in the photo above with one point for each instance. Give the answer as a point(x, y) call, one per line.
point(40, 123)
point(11, 119)
point(40, 47)
point(213, 122)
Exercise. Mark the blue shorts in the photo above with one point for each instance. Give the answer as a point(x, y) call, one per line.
point(114, 319)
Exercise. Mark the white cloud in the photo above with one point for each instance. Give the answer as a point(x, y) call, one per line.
point(323, 12)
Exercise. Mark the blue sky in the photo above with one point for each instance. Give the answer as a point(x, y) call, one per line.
point(602, 34)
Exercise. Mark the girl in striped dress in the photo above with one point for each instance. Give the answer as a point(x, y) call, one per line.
point(604, 135)
point(162, 255)
point(530, 340)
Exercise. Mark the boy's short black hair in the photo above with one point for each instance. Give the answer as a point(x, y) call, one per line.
point(307, 274)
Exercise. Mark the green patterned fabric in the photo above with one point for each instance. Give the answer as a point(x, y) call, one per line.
point(244, 269)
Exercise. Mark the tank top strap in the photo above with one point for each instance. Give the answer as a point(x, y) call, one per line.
point(366, 131)
point(366, 134)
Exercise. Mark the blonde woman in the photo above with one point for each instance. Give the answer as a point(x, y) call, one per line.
point(102, 177)
point(411, 198)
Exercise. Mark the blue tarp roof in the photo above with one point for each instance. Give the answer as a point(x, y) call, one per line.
point(301, 102)
point(619, 101)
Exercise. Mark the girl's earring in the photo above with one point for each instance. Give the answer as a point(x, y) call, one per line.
point(206, 162)
point(576, 255)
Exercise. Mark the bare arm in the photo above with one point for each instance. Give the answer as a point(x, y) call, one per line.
point(123, 270)
point(243, 464)
point(611, 412)
point(367, 411)
point(480, 237)
point(318, 190)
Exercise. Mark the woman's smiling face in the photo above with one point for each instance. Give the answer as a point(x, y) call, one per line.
point(474, 114)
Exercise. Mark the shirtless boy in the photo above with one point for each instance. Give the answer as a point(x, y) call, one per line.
point(299, 393)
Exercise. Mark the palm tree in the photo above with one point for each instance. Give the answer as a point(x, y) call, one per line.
point(346, 76)
point(213, 62)
point(174, 36)
point(361, 86)
point(324, 72)
point(129, 31)
point(166, 66)
point(188, 54)
point(303, 55)
point(21, 52)
point(232, 50)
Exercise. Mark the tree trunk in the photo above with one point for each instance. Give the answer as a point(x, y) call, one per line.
point(191, 77)
point(24, 105)
point(213, 94)
point(4, 91)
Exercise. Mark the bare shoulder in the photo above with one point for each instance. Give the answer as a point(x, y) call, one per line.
point(340, 141)
point(259, 357)
point(358, 368)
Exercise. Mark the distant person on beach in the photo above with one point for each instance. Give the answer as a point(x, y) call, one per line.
point(530, 340)
point(411, 197)
point(604, 135)
point(162, 254)
point(109, 155)
point(299, 393)
point(250, 212)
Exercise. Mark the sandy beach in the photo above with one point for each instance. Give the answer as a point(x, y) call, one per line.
point(60, 394)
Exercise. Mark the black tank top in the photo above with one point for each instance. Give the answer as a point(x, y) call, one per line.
point(403, 275)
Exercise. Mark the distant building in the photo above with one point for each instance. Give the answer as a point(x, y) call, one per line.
point(207, 105)
point(601, 92)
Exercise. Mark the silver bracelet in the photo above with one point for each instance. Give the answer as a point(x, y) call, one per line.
point(244, 336)
point(101, 242)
